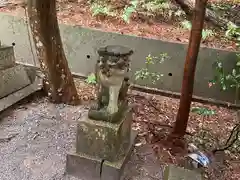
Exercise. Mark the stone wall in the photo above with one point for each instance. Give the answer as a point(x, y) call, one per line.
point(81, 45)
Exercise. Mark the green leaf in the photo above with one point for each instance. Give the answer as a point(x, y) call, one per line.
point(125, 18)
point(129, 10)
point(91, 79)
point(207, 33)
point(134, 3)
point(186, 24)
point(234, 72)
point(202, 111)
point(238, 63)
point(178, 13)
point(219, 64)
point(196, 109)
point(228, 77)
point(224, 87)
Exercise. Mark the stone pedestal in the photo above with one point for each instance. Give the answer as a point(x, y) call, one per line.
point(13, 79)
point(104, 135)
point(16, 82)
point(102, 148)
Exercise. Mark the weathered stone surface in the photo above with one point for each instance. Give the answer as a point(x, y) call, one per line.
point(102, 139)
point(13, 79)
point(32, 73)
point(114, 170)
point(20, 94)
point(7, 58)
point(111, 73)
point(83, 166)
point(172, 172)
point(91, 168)
point(115, 50)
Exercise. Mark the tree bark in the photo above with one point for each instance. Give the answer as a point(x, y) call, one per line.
point(188, 7)
point(58, 79)
point(189, 69)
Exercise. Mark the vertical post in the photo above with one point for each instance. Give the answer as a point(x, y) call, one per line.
point(189, 68)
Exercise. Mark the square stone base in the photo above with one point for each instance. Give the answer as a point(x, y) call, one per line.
point(173, 172)
point(103, 139)
point(90, 168)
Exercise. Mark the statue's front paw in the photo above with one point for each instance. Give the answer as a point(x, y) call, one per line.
point(94, 106)
point(112, 109)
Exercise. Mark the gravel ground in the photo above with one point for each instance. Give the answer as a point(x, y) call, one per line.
point(36, 135)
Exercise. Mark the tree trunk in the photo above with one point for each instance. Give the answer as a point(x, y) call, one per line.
point(58, 79)
point(188, 7)
point(189, 69)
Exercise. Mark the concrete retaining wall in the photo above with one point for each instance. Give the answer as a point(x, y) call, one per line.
point(82, 42)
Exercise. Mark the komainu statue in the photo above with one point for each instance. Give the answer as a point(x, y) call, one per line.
point(112, 83)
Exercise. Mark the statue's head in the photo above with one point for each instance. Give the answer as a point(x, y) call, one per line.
point(114, 59)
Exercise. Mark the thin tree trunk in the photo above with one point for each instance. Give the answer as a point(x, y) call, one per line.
point(58, 79)
point(189, 69)
point(188, 7)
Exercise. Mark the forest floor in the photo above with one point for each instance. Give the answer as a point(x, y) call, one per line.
point(154, 115)
point(39, 134)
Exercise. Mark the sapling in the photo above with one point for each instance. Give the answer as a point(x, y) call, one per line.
point(145, 72)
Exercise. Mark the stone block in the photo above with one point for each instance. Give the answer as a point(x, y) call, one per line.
point(20, 94)
point(32, 73)
point(105, 140)
point(172, 172)
point(114, 170)
point(7, 58)
point(87, 167)
point(13, 79)
point(83, 166)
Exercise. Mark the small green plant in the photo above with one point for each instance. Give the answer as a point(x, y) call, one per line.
point(179, 13)
point(144, 73)
point(186, 25)
point(91, 79)
point(206, 33)
point(229, 80)
point(99, 9)
point(233, 32)
point(218, 6)
point(202, 111)
point(156, 5)
point(129, 10)
point(224, 79)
